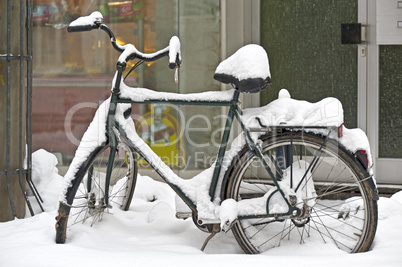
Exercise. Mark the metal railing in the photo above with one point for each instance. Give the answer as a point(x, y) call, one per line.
point(24, 170)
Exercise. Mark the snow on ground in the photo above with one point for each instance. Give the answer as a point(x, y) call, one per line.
point(150, 235)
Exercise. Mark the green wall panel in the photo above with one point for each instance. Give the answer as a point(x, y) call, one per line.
point(303, 41)
point(390, 122)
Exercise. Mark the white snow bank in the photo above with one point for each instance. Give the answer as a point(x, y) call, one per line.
point(43, 173)
point(397, 197)
point(46, 179)
point(142, 236)
point(388, 207)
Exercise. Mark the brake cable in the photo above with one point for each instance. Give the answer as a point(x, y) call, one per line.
point(138, 63)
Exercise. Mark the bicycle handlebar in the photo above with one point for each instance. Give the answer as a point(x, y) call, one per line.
point(86, 23)
point(128, 51)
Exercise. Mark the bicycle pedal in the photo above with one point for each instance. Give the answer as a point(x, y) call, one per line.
point(228, 225)
point(183, 215)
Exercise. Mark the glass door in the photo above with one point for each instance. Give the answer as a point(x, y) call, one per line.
point(73, 72)
point(384, 88)
point(389, 118)
point(303, 42)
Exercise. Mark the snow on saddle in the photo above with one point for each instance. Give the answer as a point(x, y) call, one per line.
point(247, 69)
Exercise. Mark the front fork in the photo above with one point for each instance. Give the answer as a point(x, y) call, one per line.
point(110, 124)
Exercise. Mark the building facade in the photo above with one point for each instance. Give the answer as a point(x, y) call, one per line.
point(73, 72)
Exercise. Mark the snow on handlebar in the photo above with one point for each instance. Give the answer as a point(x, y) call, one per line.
point(174, 52)
point(86, 23)
point(128, 51)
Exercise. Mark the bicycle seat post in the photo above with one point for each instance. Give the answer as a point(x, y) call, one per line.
point(236, 95)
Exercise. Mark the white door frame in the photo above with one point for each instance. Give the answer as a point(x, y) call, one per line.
point(241, 25)
point(385, 170)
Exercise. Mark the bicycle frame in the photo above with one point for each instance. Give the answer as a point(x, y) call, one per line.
point(234, 112)
point(265, 177)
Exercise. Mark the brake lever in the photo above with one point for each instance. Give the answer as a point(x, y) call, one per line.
point(176, 74)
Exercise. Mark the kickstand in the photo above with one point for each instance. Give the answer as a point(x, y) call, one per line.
point(215, 229)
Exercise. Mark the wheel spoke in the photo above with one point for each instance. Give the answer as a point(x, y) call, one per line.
point(335, 218)
point(88, 206)
point(330, 191)
point(328, 234)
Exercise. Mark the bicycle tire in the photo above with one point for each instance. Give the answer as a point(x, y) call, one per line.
point(85, 200)
point(343, 212)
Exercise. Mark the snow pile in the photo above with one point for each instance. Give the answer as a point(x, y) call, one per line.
point(43, 173)
point(45, 178)
point(397, 197)
point(327, 112)
point(287, 111)
point(149, 235)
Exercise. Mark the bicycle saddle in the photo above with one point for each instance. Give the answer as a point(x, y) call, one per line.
point(247, 69)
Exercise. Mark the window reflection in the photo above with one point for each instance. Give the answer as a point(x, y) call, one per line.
point(72, 72)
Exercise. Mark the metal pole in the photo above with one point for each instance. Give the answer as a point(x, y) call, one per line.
point(16, 167)
point(8, 175)
point(29, 103)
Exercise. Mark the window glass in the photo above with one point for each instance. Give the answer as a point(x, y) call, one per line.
point(73, 72)
point(390, 122)
point(199, 29)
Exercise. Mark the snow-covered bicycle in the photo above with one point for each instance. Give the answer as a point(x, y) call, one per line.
point(295, 173)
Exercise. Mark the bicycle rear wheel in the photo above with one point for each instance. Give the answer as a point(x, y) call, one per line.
point(89, 205)
point(335, 193)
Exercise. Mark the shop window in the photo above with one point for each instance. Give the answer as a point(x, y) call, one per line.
point(73, 72)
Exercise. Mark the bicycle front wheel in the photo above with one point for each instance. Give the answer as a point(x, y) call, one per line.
point(89, 203)
point(86, 198)
point(335, 193)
